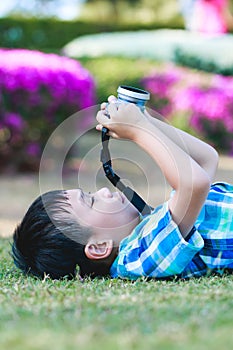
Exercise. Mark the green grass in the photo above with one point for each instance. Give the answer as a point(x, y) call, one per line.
point(113, 314)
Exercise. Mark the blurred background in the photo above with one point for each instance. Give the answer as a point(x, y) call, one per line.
point(58, 57)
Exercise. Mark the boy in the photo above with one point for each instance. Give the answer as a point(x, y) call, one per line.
point(103, 234)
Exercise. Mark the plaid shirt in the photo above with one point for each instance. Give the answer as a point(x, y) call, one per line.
point(157, 249)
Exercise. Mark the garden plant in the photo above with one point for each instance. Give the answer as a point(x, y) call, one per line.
point(202, 102)
point(38, 91)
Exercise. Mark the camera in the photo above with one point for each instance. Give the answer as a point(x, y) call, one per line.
point(134, 95)
point(130, 94)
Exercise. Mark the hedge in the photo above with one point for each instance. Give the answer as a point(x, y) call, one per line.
point(52, 34)
point(196, 61)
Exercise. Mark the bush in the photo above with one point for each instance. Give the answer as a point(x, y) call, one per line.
point(51, 34)
point(205, 101)
point(196, 61)
point(110, 72)
point(38, 91)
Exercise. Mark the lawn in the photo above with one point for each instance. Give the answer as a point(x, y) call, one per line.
point(113, 314)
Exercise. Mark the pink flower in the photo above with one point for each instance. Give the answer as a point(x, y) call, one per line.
point(206, 100)
point(38, 91)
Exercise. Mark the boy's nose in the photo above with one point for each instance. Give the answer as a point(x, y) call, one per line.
point(105, 192)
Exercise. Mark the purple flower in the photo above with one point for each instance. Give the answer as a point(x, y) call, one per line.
point(57, 76)
point(33, 149)
point(14, 121)
point(38, 91)
point(161, 82)
point(205, 99)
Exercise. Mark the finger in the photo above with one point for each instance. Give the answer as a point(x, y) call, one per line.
point(113, 134)
point(112, 108)
point(99, 127)
point(112, 98)
point(102, 118)
point(103, 105)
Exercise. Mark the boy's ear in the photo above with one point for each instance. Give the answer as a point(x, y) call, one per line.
point(98, 250)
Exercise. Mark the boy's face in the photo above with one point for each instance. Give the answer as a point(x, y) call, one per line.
point(109, 214)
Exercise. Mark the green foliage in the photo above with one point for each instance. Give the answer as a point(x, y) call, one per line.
point(113, 314)
point(115, 5)
point(52, 35)
point(133, 11)
point(195, 61)
point(110, 72)
point(43, 33)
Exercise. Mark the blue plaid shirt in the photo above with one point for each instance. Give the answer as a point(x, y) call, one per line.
point(157, 249)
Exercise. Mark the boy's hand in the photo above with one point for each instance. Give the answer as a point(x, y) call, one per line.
point(122, 119)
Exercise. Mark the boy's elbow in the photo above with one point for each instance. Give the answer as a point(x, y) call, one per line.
point(214, 157)
point(201, 183)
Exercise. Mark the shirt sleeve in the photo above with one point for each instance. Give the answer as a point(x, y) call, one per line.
point(156, 248)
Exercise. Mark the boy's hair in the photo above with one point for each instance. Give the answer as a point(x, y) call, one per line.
point(46, 241)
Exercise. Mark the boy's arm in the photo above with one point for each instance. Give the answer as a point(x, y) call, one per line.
point(183, 173)
point(205, 155)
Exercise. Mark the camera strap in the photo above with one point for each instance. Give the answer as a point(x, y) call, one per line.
point(130, 194)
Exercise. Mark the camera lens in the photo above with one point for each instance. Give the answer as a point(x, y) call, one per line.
point(133, 95)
